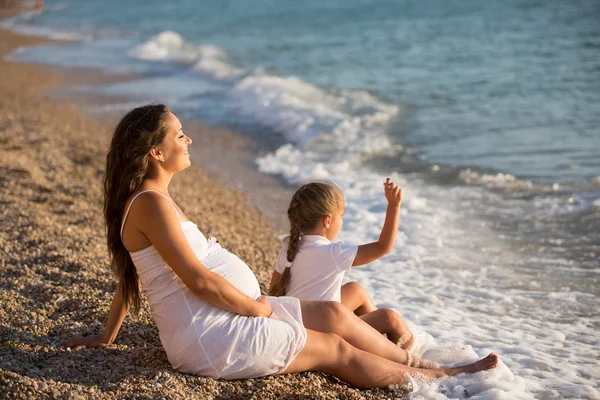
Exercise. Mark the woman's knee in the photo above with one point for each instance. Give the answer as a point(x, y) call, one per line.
point(335, 311)
point(324, 316)
point(338, 317)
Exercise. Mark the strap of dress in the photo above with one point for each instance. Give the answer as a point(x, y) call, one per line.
point(135, 197)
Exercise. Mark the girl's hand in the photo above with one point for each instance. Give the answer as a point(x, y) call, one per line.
point(266, 309)
point(79, 342)
point(393, 193)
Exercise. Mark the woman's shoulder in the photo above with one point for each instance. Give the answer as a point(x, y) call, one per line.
point(146, 202)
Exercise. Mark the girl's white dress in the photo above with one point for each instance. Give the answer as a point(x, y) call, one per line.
point(204, 340)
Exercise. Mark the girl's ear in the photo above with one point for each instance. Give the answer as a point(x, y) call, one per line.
point(327, 221)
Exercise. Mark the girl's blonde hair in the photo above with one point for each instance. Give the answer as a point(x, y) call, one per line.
point(309, 204)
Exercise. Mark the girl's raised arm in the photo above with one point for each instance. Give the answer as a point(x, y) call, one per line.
point(372, 251)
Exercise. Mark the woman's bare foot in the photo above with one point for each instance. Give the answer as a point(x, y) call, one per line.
point(489, 362)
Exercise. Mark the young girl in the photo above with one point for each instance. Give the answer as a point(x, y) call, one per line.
point(311, 267)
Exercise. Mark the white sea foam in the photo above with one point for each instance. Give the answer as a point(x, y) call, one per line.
point(303, 113)
point(217, 69)
point(499, 180)
point(170, 46)
point(208, 61)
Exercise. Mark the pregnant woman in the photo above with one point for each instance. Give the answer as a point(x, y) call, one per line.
point(206, 302)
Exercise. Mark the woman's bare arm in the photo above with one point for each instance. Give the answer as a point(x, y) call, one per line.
point(164, 231)
point(116, 315)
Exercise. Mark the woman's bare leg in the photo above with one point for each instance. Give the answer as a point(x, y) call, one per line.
point(329, 353)
point(333, 317)
point(356, 298)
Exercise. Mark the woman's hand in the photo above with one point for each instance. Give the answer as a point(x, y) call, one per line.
point(79, 342)
point(265, 310)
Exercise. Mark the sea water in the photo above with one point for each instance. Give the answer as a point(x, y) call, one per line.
point(485, 113)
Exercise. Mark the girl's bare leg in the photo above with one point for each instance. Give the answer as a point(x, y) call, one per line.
point(329, 353)
point(386, 320)
point(356, 298)
point(333, 317)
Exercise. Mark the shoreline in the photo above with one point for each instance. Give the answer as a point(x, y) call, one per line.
point(56, 279)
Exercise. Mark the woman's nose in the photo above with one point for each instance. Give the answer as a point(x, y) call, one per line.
point(189, 140)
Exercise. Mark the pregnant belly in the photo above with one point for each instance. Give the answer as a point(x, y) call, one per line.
point(234, 270)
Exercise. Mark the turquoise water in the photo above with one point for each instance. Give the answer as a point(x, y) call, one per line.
point(486, 113)
point(506, 86)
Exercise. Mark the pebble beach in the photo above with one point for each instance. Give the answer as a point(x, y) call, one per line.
point(55, 269)
point(485, 113)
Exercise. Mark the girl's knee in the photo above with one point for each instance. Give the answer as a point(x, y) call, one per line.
point(356, 289)
point(393, 317)
point(352, 286)
point(397, 330)
point(395, 323)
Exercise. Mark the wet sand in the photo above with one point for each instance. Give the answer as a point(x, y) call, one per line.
point(56, 280)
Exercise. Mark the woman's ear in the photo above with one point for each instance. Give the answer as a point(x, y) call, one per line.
point(156, 154)
point(327, 221)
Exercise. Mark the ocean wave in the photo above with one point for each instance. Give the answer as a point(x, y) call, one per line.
point(170, 46)
point(498, 181)
point(555, 199)
point(306, 115)
point(207, 60)
point(217, 69)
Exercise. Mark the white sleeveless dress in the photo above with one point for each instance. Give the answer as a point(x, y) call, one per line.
point(201, 339)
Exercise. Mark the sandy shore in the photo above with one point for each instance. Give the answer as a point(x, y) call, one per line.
point(54, 264)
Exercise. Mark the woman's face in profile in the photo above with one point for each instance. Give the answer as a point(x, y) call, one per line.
point(175, 146)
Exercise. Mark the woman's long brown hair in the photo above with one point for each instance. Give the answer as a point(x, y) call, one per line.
point(309, 204)
point(126, 166)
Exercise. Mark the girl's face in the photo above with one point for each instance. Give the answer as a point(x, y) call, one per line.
point(175, 145)
point(335, 226)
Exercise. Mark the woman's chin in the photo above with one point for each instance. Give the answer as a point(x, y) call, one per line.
point(185, 166)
